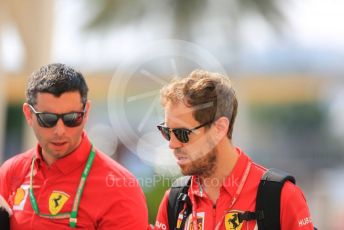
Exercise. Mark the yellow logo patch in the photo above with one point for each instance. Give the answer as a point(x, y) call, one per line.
point(232, 221)
point(56, 201)
point(19, 197)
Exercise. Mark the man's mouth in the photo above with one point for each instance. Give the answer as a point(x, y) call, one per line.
point(181, 160)
point(59, 143)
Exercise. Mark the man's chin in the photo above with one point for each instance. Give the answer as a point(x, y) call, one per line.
point(187, 171)
point(184, 171)
point(58, 153)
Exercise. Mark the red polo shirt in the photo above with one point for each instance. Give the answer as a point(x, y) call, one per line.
point(241, 185)
point(112, 198)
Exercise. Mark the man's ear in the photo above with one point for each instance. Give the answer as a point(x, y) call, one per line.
point(27, 113)
point(87, 109)
point(221, 126)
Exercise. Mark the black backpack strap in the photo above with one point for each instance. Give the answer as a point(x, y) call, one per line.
point(176, 200)
point(269, 196)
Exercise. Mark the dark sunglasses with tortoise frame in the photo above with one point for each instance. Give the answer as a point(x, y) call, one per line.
point(182, 134)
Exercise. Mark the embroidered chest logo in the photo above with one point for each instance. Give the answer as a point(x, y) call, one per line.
point(200, 222)
point(232, 221)
point(57, 200)
point(20, 197)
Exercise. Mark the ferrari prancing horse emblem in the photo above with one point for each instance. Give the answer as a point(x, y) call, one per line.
point(57, 200)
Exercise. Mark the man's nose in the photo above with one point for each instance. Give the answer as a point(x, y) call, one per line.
point(174, 143)
point(59, 128)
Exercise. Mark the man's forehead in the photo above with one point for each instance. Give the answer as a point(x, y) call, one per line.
point(46, 95)
point(178, 111)
point(179, 115)
point(65, 101)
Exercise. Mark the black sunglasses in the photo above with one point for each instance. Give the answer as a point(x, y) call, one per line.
point(182, 134)
point(49, 120)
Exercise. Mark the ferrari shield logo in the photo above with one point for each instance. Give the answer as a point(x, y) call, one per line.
point(56, 201)
point(232, 221)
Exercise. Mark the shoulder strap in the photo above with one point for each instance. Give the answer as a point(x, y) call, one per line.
point(178, 196)
point(269, 197)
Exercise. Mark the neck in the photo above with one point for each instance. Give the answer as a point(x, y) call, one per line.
point(227, 156)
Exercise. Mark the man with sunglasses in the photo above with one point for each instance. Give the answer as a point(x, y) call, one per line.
point(63, 182)
point(200, 111)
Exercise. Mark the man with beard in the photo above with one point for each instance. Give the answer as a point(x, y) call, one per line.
point(200, 111)
point(62, 183)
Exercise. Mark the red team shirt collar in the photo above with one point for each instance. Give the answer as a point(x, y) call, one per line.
point(232, 181)
point(74, 160)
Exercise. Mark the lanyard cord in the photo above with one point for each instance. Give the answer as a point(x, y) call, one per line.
point(73, 214)
point(234, 199)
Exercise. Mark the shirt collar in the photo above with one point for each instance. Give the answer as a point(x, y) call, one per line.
point(73, 160)
point(231, 182)
point(195, 187)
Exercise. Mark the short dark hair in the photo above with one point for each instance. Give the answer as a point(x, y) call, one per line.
point(201, 88)
point(56, 79)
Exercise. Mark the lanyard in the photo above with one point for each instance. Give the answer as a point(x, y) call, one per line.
point(73, 214)
point(234, 199)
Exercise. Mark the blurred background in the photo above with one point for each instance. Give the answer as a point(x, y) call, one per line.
point(285, 59)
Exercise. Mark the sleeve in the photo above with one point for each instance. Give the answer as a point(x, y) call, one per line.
point(162, 218)
point(295, 214)
point(4, 183)
point(12, 174)
point(127, 209)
